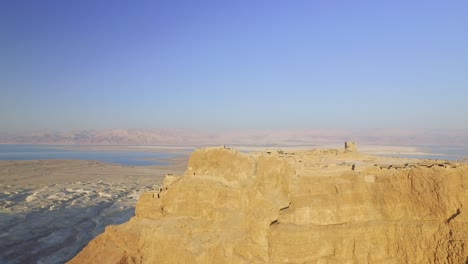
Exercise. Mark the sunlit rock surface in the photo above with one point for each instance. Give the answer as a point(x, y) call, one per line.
point(320, 206)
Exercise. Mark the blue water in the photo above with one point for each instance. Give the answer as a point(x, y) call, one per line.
point(441, 153)
point(39, 152)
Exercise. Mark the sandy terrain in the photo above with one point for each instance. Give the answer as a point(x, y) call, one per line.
point(50, 209)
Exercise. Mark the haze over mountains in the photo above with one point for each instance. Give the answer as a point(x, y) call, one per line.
point(187, 137)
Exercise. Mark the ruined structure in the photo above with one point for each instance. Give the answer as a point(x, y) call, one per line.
point(350, 146)
point(309, 207)
point(426, 164)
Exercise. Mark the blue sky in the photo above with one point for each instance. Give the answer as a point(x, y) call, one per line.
point(233, 64)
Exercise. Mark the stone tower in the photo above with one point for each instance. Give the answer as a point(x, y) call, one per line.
point(350, 146)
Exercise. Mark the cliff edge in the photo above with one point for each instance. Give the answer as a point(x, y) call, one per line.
point(318, 206)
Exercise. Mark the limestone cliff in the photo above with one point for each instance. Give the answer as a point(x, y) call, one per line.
point(322, 206)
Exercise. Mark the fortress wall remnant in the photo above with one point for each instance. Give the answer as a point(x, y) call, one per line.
point(350, 146)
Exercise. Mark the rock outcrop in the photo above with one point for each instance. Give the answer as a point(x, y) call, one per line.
point(298, 207)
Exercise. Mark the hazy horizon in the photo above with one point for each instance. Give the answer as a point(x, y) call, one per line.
point(233, 65)
point(239, 137)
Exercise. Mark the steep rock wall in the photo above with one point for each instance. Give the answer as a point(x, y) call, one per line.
point(304, 207)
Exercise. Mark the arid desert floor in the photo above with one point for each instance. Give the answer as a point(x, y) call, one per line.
point(50, 209)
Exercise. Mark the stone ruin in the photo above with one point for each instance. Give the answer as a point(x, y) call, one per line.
point(350, 146)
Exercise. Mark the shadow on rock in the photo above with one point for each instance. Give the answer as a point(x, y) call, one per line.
point(54, 236)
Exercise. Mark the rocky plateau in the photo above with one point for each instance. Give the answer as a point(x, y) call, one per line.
point(315, 206)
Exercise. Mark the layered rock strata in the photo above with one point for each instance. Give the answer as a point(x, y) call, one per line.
point(321, 206)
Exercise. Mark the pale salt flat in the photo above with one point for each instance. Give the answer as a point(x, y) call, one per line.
point(49, 210)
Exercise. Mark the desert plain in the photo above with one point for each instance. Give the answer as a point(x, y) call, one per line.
point(50, 209)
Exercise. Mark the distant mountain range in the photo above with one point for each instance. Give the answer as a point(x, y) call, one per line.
point(186, 137)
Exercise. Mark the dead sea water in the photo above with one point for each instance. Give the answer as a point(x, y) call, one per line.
point(46, 152)
point(453, 153)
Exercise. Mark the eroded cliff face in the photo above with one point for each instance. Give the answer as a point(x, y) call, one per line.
point(303, 207)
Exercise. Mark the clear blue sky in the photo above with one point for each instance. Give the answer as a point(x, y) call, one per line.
point(233, 64)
